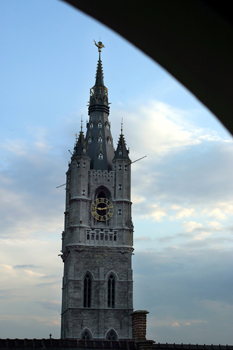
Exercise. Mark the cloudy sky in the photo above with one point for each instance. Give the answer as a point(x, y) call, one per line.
point(182, 191)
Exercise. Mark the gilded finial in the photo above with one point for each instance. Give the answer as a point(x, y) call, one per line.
point(122, 126)
point(100, 45)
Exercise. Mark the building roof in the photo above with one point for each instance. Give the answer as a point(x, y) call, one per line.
point(64, 344)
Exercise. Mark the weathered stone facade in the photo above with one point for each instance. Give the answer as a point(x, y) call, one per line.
point(97, 239)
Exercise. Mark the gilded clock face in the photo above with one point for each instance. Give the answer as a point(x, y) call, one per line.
point(102, 209)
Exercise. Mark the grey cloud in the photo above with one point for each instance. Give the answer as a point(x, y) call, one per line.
point(169, 238)
point(183, 285)
point(197, 175)
point(208, 242)
point(27, 266)
point(35, 199)
point(48, 284)
point(8, 293)
point(46, 304)
point(142, 238)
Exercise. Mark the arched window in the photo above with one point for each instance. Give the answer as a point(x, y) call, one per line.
point(111, 291)
point(111, 335)
point(87, 291)
point(86, 335)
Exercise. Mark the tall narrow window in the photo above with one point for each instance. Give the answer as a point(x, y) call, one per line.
point(87, 291)
point(111, 291)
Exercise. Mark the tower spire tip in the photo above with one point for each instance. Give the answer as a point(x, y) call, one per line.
point(81, 123)
point(100, 45)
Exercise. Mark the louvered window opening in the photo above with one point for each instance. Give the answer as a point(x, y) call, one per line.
point(111, 292)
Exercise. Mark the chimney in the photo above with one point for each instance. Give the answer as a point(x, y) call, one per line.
point(139, 330)
point(139, 324)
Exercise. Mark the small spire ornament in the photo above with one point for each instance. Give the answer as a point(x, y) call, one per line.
point(100, 45)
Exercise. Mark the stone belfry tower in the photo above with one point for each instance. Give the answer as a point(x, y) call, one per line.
point(97, 291)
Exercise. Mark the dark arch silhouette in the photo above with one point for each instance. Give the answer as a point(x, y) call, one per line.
point(111, 335)
point(192, 40)
point(86, 334)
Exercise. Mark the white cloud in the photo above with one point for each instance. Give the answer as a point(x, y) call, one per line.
point(171, 322)
point(16, 146)
point(202, 235)
point(153, 211)
point(175, 207)
point(32, 273)
point(157, 212)
point(228, 207)
point(137, 199)
point(185, 212)
point(164, 126)
point(191, 225)
point(216, 213)
point(7, 267)
point(215, 224)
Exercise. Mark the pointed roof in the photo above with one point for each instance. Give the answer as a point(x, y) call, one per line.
point(121, 151)
point(98, 136)
point(100, 145)
point(80, 148)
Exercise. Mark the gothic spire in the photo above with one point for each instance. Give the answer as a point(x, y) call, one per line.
point(121, 151)
point(99, 78)
point(99, 92)
point(99, 138)
point(80, 147)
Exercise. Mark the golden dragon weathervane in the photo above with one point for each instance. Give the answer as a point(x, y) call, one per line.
point(100, 45)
